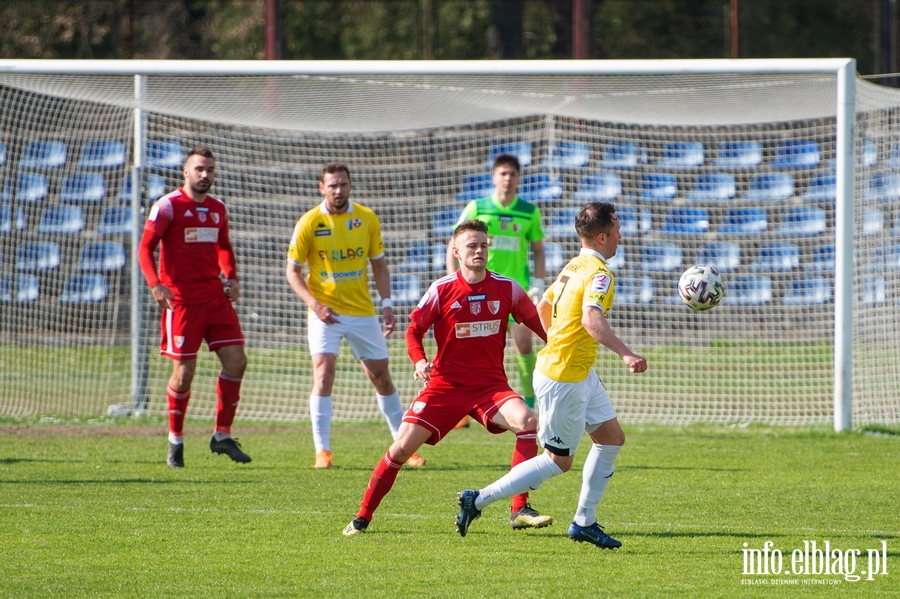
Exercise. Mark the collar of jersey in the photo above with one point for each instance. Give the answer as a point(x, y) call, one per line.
point(324, 208)
point(590, 252)
point(500, 206)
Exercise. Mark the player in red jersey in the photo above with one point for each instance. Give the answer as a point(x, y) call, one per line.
point(469, 311)
point(192, 229)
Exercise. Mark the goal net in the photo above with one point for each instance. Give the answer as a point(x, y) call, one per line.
point(732, 169)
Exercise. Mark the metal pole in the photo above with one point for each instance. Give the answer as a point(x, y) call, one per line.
point(579, 30)
point(140, 362)
point(735, 29)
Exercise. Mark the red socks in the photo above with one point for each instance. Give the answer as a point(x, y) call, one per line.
point(526, 448)
point(228, 391)
point(383, 477)
point(178, 402)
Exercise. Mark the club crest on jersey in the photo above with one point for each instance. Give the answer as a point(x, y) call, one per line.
point(418, 406)
point(354, 223)
point(600, 283)
point(202, 217)
point(215, 216)
point(494, 306)
point(179, 341)
point(475, 308)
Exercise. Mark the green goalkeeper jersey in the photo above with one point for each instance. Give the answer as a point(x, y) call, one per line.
point(511, 231)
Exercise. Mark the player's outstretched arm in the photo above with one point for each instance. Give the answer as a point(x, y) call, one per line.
point(597, 326)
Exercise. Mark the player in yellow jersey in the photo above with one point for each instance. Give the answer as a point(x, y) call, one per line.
point(571, 398)
point(338, 239)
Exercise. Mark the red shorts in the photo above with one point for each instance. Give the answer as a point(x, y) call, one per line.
point(186, 326)
point(439, 407)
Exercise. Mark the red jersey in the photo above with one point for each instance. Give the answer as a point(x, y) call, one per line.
point(470, 324)
point(195, 250)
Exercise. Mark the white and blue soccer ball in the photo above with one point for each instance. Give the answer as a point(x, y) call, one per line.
point(701, 287)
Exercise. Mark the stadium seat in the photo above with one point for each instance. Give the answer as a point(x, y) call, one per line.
point(2, 153)
point(554, 257)
point(822, 188)
point(802, 221)
point(884, 258)
point(883, 186)
point(872, 291)
point(115, 220)
point(738, 155)
point(85, 289)
point(633, 221)
point(102, 256)
point(822, 259)
point(744, 221)
point(624, 155)
point(5, 219)
point(5, 189)
point(869, 156)
point(617, 262)
point(568, 155)
point(748, 290)
point(681, 154)
point(443, 222)
point(634, 291)
point(27, 288)
point(807, 291)
point(406, 289)
point(561, 223)
point(521, 150)
point(659, 186)
point(873, 222)
point(61, 220)
point(776, 256)
point(43, 154)
point(156, 188)
point(102, 154)
point(31, 187)
point(165, 153)
point(893, 159)
point(37, 255)
point(796, 154)
point(475, 187)
point(82, 188)
point(685, 221)
point(540, 187)
point(715, 187)
point(598, 186)
point(725, 256)
point(661, 257)
point(418, 257)
point(767, 187)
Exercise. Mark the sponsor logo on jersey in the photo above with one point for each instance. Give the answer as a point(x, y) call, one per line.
point(494, 306)
point(504, 242)
point(354, 223)
point(455, 306)
point(342, 254)
point(465, 330)
point(475, 298)
point(202, 209)
point(188, 213)
point(201, 235)
point(322, 232)
point(475, 308)
point(337, 276)
point(321, 225)
point(600, 283)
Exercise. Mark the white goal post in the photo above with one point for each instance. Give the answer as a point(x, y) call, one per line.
point(665, 140)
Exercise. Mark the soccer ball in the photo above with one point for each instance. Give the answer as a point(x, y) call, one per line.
point(701, 287)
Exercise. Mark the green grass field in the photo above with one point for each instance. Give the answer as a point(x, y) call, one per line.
point(92, 511)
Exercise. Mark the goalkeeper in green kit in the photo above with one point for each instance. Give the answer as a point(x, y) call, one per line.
point(514, 226)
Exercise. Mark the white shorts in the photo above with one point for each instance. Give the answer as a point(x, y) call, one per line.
point(363, 333)
point(568, 410)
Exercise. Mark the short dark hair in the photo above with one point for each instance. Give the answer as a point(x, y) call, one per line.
point(200, 151)
point(470, 225)
point(507, 160)
point(332, 168)
point(593, 219)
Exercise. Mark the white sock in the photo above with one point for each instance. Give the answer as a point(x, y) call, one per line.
point(320, 410)
point(219, 436)
point(176, 439)
point(526, 476)
point(598, 468)
point(392, 409)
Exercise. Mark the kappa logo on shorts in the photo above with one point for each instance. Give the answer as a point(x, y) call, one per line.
point(179, 341)
point(418, 406)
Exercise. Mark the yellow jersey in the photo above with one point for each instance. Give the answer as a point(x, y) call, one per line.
point(338, 248)
point(571, 351)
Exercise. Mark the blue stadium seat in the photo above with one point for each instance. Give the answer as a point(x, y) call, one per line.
point(598, 186)
point(765, 187)
point(418, 257)
point(27, 288)
point(443, 222)
point(6, 189)
point(165, 153)
point(661, 257)
point(633, 221)
point(797, 154)
point(893, 159)
point(744, 221)
point(521, 150)
point(807, 291)
point(748, 290)
point(617, 262)
point(822, 259)
point(85, 289)
point(873, 222)
point(634, 291)
point(883, 187)
point(82, 188)
point(475, 187)
point(49, 153)
point(659, 186)
point(716, 187)
point(872, 291)
point(624, 155)
point(102, 256)
point(869, 157)
point(406, 289)
point(685, 221)
point(561, 223)
point(31, 187)
point(102, 154)
point(61, 220)
point(554, 257)
point(776, 256)
point(37, 255)
point(5, 219)
point(802, 221)
point(738, 155)
point(2, 153)
point(156, 188)
point(724, 255)
point(115, 220)
point(681, 154)
point(568, 155)
point(540, 187)
point(884, 258)
point(822, 188)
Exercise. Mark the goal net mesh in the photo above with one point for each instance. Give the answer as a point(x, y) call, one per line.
point(732, 170)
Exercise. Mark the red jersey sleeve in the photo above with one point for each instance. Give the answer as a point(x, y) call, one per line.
point(421, 319)
point(524, 312)
point(227, 261)
point(157, 222)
